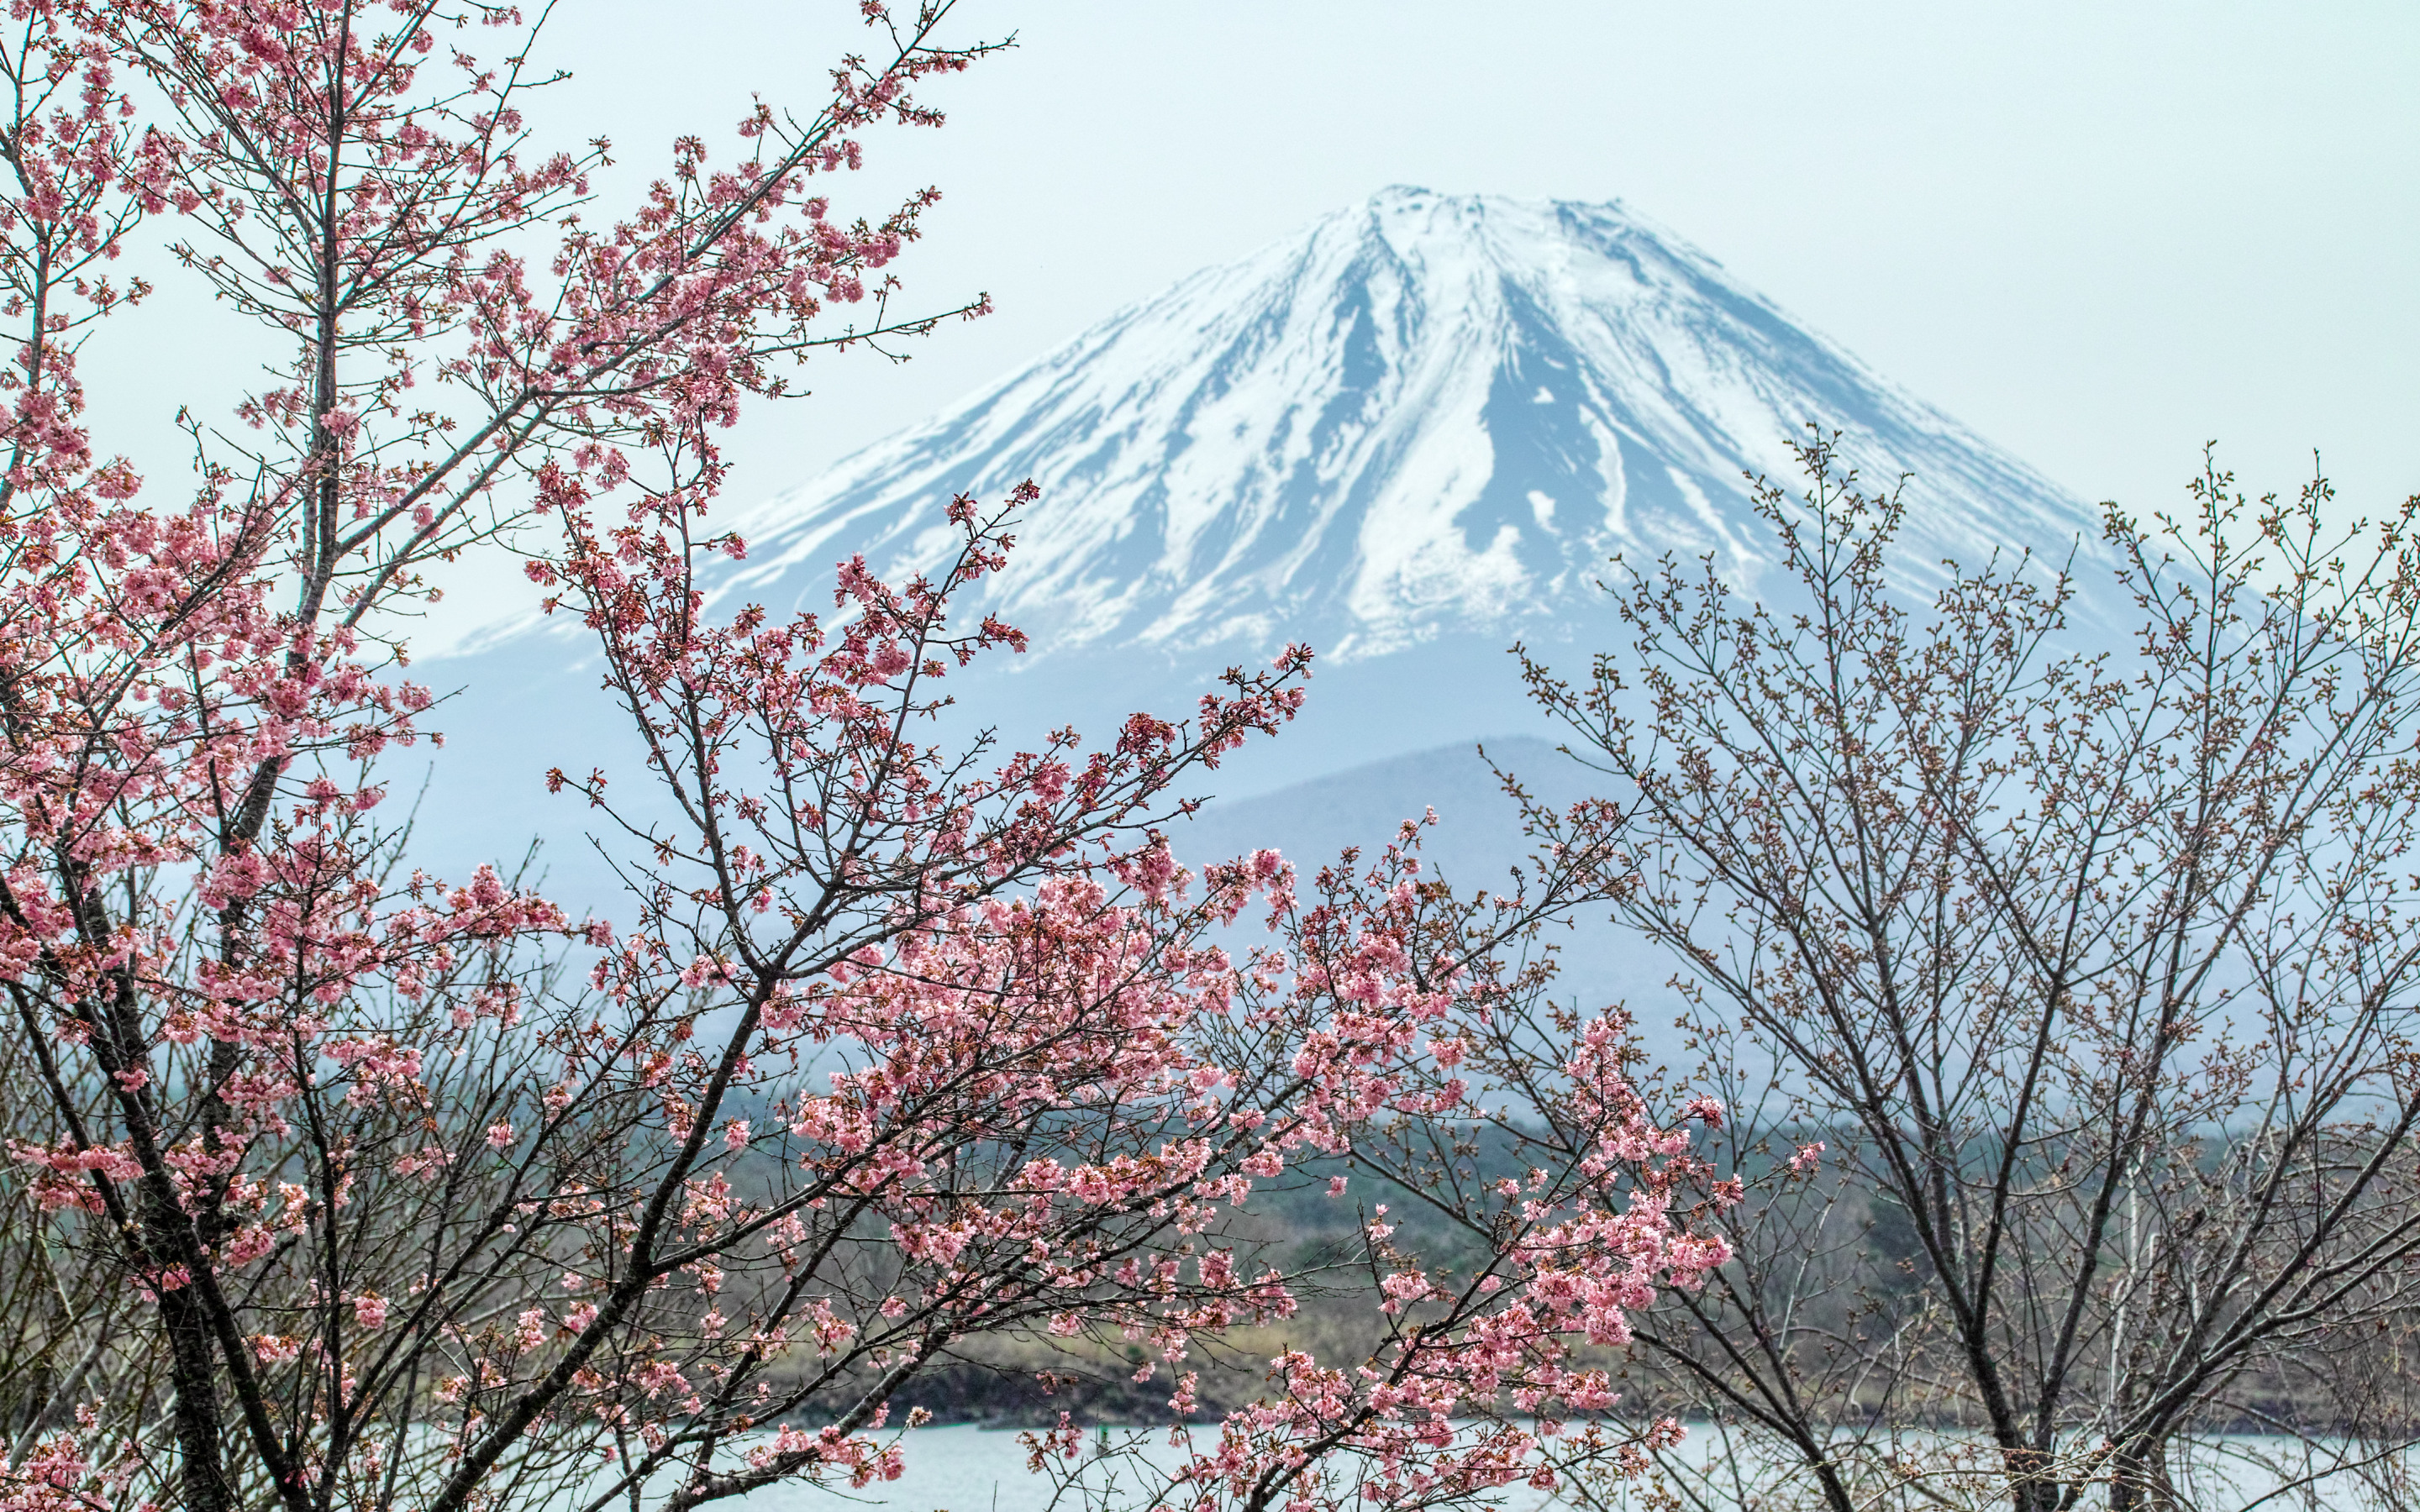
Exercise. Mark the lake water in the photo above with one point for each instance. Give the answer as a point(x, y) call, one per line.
point(962, 1468)
point(958, 1469)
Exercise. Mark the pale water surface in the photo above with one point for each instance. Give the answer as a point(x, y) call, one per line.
point(964, 1469)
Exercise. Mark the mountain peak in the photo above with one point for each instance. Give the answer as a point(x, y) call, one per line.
point(1425, 414)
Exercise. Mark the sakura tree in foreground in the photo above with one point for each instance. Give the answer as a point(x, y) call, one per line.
point(332, 1183)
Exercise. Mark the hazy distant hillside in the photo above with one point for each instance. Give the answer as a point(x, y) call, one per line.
point(1477, 837)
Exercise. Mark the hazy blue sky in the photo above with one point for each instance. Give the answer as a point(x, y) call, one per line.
point(2101, 235)
point(2098, 234)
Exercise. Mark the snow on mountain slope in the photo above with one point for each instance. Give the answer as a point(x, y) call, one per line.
point(1407, 435)
point(1424, 415)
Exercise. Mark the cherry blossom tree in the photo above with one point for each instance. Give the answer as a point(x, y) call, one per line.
point(336, 1183)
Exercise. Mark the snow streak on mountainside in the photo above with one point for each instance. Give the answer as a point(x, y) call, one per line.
point(1423, 416)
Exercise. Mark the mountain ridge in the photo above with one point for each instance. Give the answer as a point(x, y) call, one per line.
point(1419, 416)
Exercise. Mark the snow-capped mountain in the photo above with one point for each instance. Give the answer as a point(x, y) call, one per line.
point(1407, 435)
point(1423, 416)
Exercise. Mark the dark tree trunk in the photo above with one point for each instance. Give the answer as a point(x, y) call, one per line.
point(192, 1368)
point(2138, 1480)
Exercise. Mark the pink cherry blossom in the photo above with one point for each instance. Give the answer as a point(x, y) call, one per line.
point(901, 1040)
